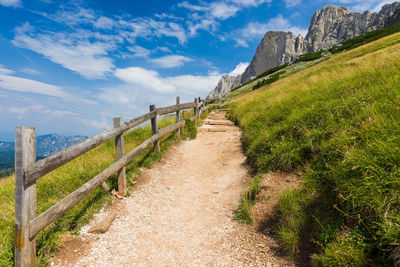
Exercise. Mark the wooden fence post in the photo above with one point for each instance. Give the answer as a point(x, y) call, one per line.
point(195, 109)
point(25, 196)
point(119, 153)
point(178, 116)
point(154, 128)
point(198, 109)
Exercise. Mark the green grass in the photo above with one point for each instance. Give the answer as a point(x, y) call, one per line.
point(247, 201)
point(338, 123)
point(62, 181)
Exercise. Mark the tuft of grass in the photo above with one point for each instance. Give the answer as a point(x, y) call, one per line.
point(64, 180)
point(338, 124)
point(247, 201)
point(189, 130)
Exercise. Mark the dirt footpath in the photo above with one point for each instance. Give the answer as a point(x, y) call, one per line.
point(181, 212)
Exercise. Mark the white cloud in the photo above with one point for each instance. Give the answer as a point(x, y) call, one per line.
point(150, 28)
point(26, 85)
point(207, 16)
point(240, 68)
point(5, 71)
point(10, 3)
point(139, 51)
point(144, 78)
point(248, 3)
point(256, 30)
point(292, 3)
point(73, 52)
point(223, 11)
point(363, 5)
point(102, 124)
point(30, 71)
point(162, 49)
point(209, 25)
point(171, 61)
point(56, 114)
point(104, 23)
point(141, 85)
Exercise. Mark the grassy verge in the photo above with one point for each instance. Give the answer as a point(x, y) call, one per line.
point(59, 183)
point(338, 123)
point(247, 201)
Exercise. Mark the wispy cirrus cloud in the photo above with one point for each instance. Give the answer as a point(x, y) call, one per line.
point(9, 81)
point(18, 84)
point(171, 61)
point(256, 30)
point(11, 3)
point(363, 5)
point(292, 3)
point(207, 16)
point(74, 52)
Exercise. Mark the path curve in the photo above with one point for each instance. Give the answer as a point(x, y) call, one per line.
point(183, 214)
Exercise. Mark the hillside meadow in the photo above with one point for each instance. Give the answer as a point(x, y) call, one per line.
point(64, 180)
point(337, 124)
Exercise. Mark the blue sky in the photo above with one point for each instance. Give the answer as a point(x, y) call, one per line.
point(70, 66)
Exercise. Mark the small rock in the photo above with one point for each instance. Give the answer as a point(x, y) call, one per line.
point(103, 226)
point(261, 245)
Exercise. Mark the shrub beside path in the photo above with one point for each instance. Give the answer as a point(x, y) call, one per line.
point(181, 211)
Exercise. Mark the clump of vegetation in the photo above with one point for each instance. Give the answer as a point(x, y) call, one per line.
point(189, 130)
point(310, 56)
point(247, 201)
point(271, 79)
point(364, 39)
point(338, 124)
point(64, 180)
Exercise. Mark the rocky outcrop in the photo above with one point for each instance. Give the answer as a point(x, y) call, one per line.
point(333, 25)
point(224, 86)
point(328, 27)
point(276, 48)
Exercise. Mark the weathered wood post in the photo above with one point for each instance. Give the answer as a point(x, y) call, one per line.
point(178, 116)
point(119, 153)
point(198, 109)
point(195, 109)
point(154, 128)
point(25, 196)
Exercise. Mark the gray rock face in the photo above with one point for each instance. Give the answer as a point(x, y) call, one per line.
point(224, 86)
point(334, 24)
point(276, 48)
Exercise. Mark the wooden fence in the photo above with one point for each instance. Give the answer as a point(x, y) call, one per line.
point(28, 171)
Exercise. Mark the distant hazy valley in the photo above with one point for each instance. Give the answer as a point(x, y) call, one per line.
point(46, 145)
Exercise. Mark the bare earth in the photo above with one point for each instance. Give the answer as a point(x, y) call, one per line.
point(181, 212)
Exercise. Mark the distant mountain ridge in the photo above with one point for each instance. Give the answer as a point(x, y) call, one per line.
point(328, 27)
point(46, 145)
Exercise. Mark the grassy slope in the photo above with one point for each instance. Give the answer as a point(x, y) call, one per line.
point(59, 183)
point(338, 123)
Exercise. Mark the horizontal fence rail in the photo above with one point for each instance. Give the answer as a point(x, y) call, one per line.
point(28, 171)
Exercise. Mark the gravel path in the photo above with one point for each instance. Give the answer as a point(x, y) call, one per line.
point(183, 214)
